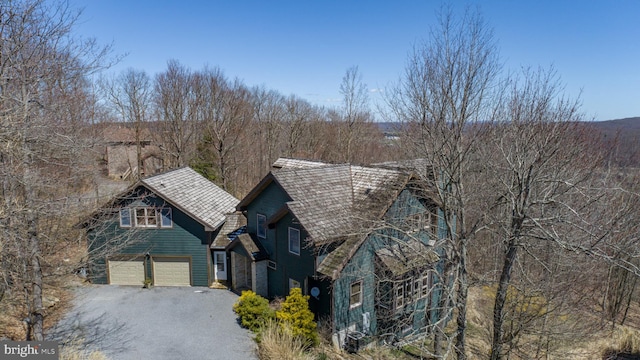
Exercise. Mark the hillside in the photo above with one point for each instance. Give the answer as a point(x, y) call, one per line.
point(622, 136)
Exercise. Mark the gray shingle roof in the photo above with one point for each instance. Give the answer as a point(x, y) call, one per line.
point(233, 226)
point(322, 199)
point(286, 163)
point(333, 202)
point(251, 245)
point(194, 194)
point(336, 203)
point(401, 258)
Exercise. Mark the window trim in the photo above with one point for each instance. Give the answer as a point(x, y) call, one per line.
point(146, 217)
point(160, 217)
point(298, 240)
point(359, 294)
point(261, 231)
point(128, 211)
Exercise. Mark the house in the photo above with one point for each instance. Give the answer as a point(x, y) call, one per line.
point(359, 240)
point(121, 152)
point(160, 230)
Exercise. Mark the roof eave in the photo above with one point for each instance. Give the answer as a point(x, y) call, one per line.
point(257, 190)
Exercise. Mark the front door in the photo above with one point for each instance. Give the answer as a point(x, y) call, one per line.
point(220, 264)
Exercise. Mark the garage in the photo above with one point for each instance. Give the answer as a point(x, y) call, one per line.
point(172, 271)
point(126, 272)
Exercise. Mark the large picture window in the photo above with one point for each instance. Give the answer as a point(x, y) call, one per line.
point(294, 241)
point(261, 228)
point(411, 289)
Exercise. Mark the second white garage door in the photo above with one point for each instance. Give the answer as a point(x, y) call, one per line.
point(171, 271)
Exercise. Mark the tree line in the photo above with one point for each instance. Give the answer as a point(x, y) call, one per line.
point(232, 133)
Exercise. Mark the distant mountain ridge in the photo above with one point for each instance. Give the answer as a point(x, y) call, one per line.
point(628, 123)
point(621, 136)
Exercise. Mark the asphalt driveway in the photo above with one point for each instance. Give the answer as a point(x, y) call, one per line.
point(159, 323)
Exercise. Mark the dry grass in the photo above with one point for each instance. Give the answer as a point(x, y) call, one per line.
point(276, 344)
point(74, 351)
point(589, 346)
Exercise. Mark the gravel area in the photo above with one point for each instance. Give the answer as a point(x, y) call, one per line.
point(159, 323)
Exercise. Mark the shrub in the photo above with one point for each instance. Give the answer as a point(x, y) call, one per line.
point(295, 316)
point(253, 310)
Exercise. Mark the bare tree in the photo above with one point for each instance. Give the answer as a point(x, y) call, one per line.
point(268, 107)
point(552, 198)
point(41, 64)
point(447, 89)
point(223, 111)
point(130, 96)
point(175, 106)
point(297, 117)
point(355, 111)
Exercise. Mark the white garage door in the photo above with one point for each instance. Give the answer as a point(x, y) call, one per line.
point(126, 272)
point(171, 272)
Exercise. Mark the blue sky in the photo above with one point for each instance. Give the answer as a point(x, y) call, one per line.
point(304, 47)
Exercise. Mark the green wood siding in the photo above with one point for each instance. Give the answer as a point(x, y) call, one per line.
point(187, 238)
point(270, 200)
point(362, 266)
point(289, 266)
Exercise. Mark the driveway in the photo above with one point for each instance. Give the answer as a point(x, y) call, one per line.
point(159, 323)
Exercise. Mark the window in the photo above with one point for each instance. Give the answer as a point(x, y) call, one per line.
point(220, 260)
point(260, 226)
point(355, 294)
point(411, 289)
point(125, 217)
point(417, 287)
point(426, 221)
point(294, 241)
point(399, 292)
point(165, 218)
point(408, 286)
point(146, 217)
point(271, 265)
point(294, 284)
point(426, 284)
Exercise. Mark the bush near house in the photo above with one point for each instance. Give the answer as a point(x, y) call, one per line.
point(295, 316)
point(253, 310)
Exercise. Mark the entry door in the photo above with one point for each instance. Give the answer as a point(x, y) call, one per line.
point(220, 264)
